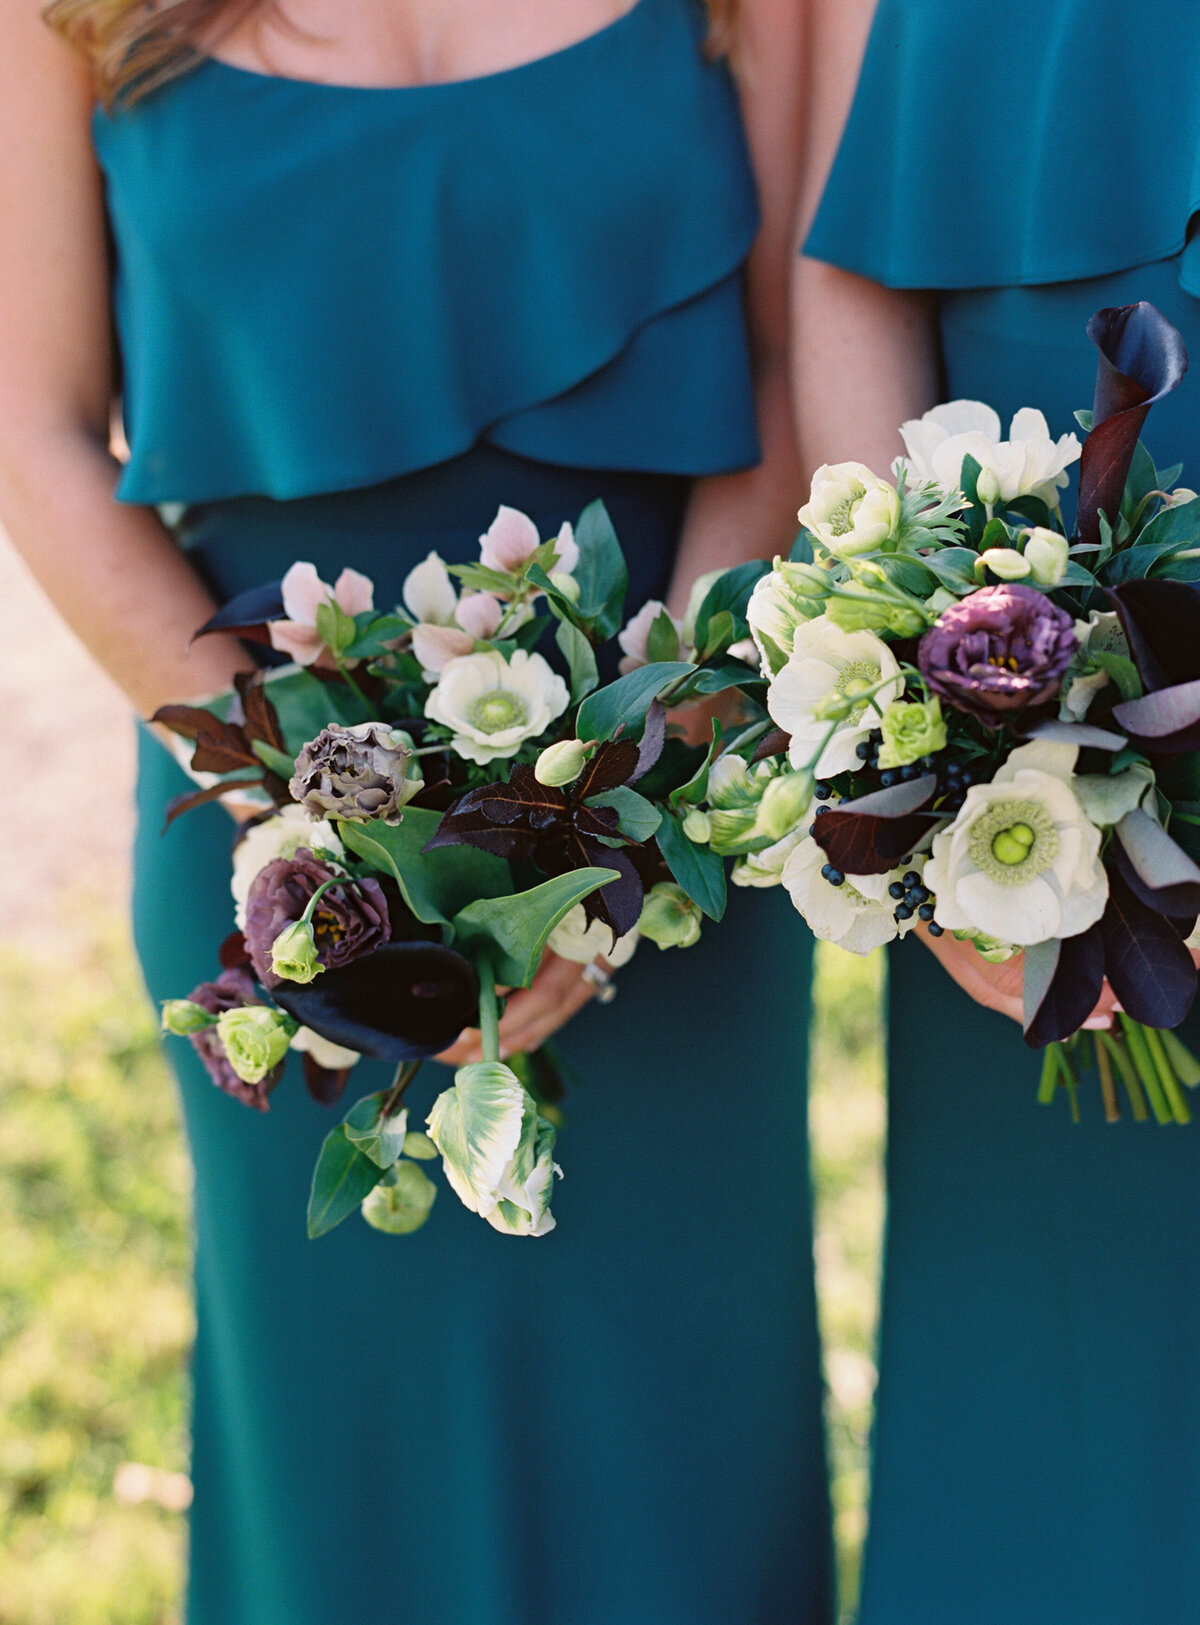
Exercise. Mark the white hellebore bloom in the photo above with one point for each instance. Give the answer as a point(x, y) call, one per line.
point(766, 868)
point(278, 837)
point(496, 1151)
point(493, 705)
point(858, 915)
point(850, 510)
point(1021, 862)
point(580, 940)
point(827, 667)
point(512, 539)
point(333, 1057)
point(783, 599)
point(1028, 463)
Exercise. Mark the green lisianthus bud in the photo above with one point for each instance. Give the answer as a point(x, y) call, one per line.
point(669, 917)
point(1048, 554)
point(697, 826)
point(785, 804)
point(911, 729)
point(566, 584)
point(294, 953)
point(1006, 563)
point(560, 764)
point(255, 1039)
point(401, 1201)
point(183, 1018)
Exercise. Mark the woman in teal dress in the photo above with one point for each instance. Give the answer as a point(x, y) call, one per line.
point(1008, 168)
point(355, 313)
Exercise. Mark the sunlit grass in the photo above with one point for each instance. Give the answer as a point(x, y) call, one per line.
point(94, 1313)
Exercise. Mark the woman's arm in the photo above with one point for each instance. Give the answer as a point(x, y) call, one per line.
point(112, 572)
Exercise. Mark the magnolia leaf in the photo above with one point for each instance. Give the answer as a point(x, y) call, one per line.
point(435, 882)
point(729, 674)
point(378, 1137)
point(403, 1002)
point(654, 737)
point(623, 705)
point(1150, 970)
point(697, 869)
point(344, 1175)
point(696, 788)
point(198, 798)
point(260, 720)
point(519, 926)
point(637, 818)
point(1038, 965)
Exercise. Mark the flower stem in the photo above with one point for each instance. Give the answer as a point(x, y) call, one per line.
point(1108, 1087)
point(1146, 1070)
point(405, 1073)
point(1107, 1044)
point(489, 1008)
point(339, 880)
point(1166, 1075)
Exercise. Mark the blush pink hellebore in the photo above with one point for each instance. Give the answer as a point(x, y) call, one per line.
point(303, 594)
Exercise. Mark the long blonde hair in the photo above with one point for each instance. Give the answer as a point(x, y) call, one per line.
point(134, 47)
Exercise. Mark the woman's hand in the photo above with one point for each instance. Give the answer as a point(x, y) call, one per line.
point(998, 987)
point(532, 1014)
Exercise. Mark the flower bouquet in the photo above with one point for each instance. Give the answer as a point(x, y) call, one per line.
point(1000, 722)
point(438, 792)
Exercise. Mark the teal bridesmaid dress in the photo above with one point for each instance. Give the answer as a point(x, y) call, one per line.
point(352, 323)
point(1037, 1448)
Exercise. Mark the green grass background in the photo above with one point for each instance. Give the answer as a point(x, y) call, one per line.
point(94, 1312)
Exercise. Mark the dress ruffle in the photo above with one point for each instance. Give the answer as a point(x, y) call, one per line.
point(469, 228)
point(1009, 142)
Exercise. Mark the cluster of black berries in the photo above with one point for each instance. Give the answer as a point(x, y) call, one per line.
point(911, 897)
point(867, 750)
point(955, 781)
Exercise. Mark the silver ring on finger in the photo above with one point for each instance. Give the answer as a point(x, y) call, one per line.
point(601, 983)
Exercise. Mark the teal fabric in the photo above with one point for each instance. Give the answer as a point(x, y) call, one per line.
point(446, 279)
point(1004, 142)
point(619, 1423)
point(1037, 1448)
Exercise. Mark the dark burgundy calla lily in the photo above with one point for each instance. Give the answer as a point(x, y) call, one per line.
point(1142, 358)
point(249, 614)
point(1161, 621)
point(404, 1002)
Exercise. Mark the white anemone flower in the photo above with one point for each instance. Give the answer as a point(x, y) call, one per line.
point(826, 667)
point(279, 837)
point(850, 510)
point(497, 1152)
point(581, 940)
point(1028, 463)
point(1021, 862)
point(494, 705)
point(858, 915)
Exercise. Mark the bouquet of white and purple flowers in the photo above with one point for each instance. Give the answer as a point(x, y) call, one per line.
point(1000, 722)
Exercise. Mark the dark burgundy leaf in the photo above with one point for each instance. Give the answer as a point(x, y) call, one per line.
point(610, 766)
point(1073, 991)
point(1161, 620)
point(232, 953)
point(594, 822)
point(1155, 867)
point(1151, 971)
point(248, 613)
point(654, 736)
point(324, 1086)
point(261, 722)
point(197, 798)
point(405, 1001)
point(1142, 358)
point(618, 904)
point(774, 744)
point(871, 835)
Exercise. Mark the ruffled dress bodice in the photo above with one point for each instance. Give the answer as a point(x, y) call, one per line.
point(999, 143)
point(324, 287)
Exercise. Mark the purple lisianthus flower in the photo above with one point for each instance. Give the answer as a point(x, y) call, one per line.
point(349, 921)
point(999, 652)
point(232, 990)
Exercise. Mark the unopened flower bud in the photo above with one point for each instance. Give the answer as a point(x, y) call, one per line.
point(183, 1018)
point(255, 1039)
point(987, 486)
point(560, 764)
point(697, 826)
point(566, 584)
point(1180, 496)
point(785, 804)
point(669, 917)
point(1006, 563)
point(1048, 555)
point(294, 953)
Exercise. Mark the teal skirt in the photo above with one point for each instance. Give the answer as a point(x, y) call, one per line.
point(616, 1424)
point(1037, 1448)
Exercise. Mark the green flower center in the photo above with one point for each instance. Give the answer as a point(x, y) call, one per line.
point(841, 520)
point(1012, 842)
point(856, 679)
point(497, 711)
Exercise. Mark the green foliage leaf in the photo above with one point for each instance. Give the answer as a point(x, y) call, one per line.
point(954, 567)
point(334, 627)
point(729, 593)
point(342, 1178)
point(624, 704)
point(976, 514)
point(720, 632)
point(278, 761)
point(437, 884)
point(601, 571)
point(637, 818)
point(375, 633)
point(695, 788)
point(995, 534)
point(662, 641)
point(480, 579)
point(517, 927)
point(1120, 671)
point(802, 549)
point(580, 658)
point(697, 869)
point(304, 705)
point(380, 1138)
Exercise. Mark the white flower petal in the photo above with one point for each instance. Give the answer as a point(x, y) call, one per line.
point(303, 593)
point(429, 594)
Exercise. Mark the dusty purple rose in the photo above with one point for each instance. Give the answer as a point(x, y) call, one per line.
point(349, 921)
point(232, 990)
point(999, 652)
